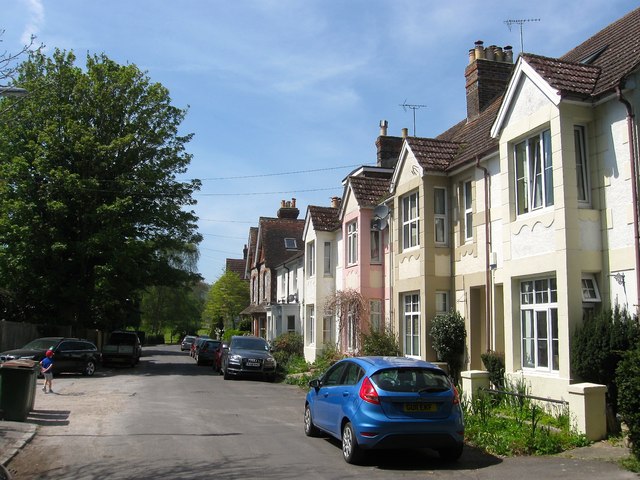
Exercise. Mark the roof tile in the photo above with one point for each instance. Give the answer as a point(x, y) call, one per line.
point(324, 219)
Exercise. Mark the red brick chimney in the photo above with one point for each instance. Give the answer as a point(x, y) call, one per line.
point(388, 147)
point(486, 76)
point(288, 209)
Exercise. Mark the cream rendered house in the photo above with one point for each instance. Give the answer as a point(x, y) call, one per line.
point(322, 242)
point(568, 168)
point(284, 315)
point(523, 217)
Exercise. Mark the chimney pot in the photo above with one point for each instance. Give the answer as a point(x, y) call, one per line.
point(335, 202)
point(383, 128)
point(479, 49)
point(472, 55)
point(293, 203)
point(490, 53)
point(282, 203)
point(405, 132)
point(508, 53)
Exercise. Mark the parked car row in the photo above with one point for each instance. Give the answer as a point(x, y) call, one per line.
point(76, 355)
point(204, 350)
point(245, 355)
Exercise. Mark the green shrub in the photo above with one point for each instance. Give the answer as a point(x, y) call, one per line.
point(494, 363)
point(628, 380)
point(449, 335)
point(291, 343)
point(598, 346)
point(288, 348)
point(504, 425)
point(327, 357)
point(384, 343)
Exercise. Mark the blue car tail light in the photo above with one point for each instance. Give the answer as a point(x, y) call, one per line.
point(368, 392)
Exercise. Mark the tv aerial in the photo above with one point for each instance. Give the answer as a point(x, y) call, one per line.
point(413, 107)
point(520, 22)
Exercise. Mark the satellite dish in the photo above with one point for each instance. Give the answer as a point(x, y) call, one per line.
point(379, 224)
point(381, 211)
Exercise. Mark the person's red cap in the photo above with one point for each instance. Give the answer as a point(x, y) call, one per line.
point(49, 353)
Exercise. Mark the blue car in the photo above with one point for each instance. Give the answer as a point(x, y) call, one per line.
point(386, 403)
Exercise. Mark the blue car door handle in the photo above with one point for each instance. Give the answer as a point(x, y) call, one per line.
point(345, 394)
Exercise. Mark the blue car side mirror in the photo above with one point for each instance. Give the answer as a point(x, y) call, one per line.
point(315, 383)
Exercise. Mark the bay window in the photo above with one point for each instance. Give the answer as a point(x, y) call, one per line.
point(534, 173)
point(352, 243)
point(410, 221)
point(411, 312)
point(539, 324)
point(440, 215)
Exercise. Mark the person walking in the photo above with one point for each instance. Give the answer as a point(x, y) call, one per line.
point(46, 367)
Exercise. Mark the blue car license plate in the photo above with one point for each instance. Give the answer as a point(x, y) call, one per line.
point(420, 407)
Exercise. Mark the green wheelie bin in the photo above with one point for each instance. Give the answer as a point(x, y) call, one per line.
point(17, 389)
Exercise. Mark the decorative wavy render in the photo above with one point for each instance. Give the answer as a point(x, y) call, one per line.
point(518, 228)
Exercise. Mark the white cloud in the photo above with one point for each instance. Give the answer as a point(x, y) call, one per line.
point(35, 21)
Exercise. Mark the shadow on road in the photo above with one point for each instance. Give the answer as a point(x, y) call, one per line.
point(49, 417)
point(421, 459)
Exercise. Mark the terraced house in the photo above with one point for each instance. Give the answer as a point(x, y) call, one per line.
point(275, 243)
point(523, 216)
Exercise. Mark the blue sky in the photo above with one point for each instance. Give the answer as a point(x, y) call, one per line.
point(285, 96)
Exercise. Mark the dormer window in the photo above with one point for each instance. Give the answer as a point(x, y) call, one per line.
point(290, 244)
point(534, 173)
point(592, 57)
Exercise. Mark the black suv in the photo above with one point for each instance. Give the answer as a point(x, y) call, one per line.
point(248, 355)
point(69, 354)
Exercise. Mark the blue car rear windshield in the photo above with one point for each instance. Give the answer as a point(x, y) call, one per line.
point(411, 380)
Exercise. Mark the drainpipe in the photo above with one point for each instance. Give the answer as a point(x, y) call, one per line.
point(634, 182)
point(287, 292)
point(487, 248)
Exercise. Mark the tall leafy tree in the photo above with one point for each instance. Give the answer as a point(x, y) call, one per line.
point(228, 296)
point(177, 309)
point(91, 211)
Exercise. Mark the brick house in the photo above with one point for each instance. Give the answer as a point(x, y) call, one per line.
point(276, 241)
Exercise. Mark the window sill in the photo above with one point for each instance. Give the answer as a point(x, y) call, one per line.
point(540, 373)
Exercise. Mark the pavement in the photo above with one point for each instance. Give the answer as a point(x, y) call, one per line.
point(14, 436)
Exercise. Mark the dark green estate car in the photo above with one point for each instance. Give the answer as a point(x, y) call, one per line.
point(69, 354)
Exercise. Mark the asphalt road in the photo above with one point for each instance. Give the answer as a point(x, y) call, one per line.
point(168, 418)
